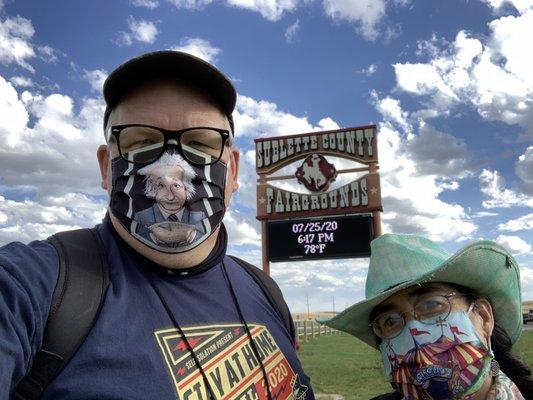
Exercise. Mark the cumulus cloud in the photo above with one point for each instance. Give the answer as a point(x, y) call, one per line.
point(29, 220)
point(494, 76)
point(392, 111)
point(150, 4)
point(200, 48)
point(524, 223)
point(438, 153)
point(49, 153)
point(492, 185)
point(366, 14)
point(520, 5)
point(269, 9)
point(139, 30)
point(514, 244)
point(96, 79)
point(291, 31)
point(413, 177)
point(15, 42)
point(240, 231)
point(524, 169)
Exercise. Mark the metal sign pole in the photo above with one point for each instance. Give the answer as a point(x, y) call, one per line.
point(264, 247)
point(376, 215)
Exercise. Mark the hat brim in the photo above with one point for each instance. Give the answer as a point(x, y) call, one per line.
point(497, 278)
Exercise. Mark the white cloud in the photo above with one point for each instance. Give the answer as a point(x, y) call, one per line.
point(366, 14)
point(96, 79)
point(411, 202)
point(48, 54)
point(438, 153)
point(240, 231)
point(524, 169)
point(139, 30)
point(190, 4)
point(520, 5)
point(291, 31)
point(52, 152)
point(200, 48)
point(513, 244)
point(29, 220)
point(151, 4)
point(524, 223)
point(495, 76)
point(22, 81)
point(391, 111)
point(15, 42)
point(260, 118)
point(14, 114)
point(269, 9)
point(493, 187)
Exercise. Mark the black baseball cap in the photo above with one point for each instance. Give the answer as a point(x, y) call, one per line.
point(169, 63)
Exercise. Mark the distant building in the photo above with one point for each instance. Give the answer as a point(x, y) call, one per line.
point(527, 307)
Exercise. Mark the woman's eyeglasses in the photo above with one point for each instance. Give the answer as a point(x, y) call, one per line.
point(429, 310)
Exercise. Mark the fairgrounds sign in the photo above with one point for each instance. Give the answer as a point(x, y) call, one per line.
point(316, 173)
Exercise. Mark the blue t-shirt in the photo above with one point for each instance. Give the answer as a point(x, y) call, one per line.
point(135, 350)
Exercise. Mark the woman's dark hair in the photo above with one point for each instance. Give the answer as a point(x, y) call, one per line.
point(510, 364)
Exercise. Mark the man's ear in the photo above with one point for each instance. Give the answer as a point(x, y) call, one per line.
point(235, 157)
point(483, 309)
point(103, 161)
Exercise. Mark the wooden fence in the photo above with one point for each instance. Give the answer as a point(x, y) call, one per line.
point(311, 329)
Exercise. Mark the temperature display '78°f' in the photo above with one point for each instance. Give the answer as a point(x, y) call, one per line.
point(326, 238)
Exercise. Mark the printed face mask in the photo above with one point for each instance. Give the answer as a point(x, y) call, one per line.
point(442, 361)
point(170, 205)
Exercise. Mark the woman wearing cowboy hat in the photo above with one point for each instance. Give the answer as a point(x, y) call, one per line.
point(444, 325)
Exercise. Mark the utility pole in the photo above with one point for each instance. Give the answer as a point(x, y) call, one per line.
point(333, 303)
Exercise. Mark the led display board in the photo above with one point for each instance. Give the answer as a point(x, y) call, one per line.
point(320, 238)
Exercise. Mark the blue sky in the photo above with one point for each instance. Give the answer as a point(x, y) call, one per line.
point(449, 84)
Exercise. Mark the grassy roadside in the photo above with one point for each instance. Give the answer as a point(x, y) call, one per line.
point(344, 365)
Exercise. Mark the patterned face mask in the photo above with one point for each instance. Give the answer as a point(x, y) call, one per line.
point(442, 361)
point(170, 205)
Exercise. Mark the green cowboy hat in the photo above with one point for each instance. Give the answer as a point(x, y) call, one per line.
point(400, 261)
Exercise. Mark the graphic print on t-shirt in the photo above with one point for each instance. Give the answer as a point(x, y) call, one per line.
point(227, 358)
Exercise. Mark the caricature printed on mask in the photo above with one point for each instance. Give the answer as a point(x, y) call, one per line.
point(196, 213)
point(442, 361)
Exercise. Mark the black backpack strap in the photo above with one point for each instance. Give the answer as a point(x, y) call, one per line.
point(78, 296)
point(272, 292)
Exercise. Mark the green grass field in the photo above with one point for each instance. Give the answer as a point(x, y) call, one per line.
point(343, 365)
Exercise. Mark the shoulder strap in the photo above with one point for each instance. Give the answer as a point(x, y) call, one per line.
point(79, 293)
point(272, 293)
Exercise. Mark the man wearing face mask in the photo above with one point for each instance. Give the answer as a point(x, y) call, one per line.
point(179, 319)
